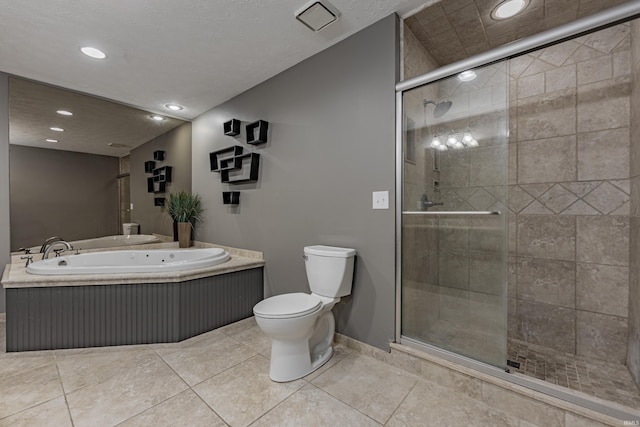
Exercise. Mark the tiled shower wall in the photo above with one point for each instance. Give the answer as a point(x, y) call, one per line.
point(633, 347)
point(569, 195)
point(570, 207)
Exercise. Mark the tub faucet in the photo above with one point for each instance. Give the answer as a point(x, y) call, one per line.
point(51, 245)
point(48, 242)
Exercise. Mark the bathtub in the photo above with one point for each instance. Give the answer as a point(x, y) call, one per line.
point(130, 261)
point(109, 242)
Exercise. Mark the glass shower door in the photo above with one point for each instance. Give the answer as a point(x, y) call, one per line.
point(454, 215)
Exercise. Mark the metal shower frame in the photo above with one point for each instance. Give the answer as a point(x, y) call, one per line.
point(612, 16)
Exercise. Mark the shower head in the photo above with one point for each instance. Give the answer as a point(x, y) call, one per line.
point(441, 107)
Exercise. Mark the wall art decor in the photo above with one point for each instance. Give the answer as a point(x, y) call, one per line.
point(160, 177)
point(232, 127)
point(257, 132)
point(231, 197)
point(225, 158)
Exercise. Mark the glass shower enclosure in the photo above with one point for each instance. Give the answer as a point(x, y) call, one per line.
point(454, 218)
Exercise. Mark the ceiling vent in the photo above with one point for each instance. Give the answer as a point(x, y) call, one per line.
point(317, 15)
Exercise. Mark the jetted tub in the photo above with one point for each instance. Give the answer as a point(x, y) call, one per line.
point(132, 261)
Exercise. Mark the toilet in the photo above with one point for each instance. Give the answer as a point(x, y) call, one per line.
point(301, 326)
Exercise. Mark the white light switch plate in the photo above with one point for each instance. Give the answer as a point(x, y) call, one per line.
point(380, 200)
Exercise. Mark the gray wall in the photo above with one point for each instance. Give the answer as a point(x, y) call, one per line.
point(5, 238)
point(177, 147)
point(331, 143)
point(61, 193)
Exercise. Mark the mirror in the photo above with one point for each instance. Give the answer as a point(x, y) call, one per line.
point(73, 182)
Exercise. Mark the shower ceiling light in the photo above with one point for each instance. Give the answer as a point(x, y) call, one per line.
point(317, 15)
point(64, 113)
point(57, 129)
point(508, 8)
point(455, 141)
point(174, 107)
point(51, 140)
point(157, 118)
point(467, 76)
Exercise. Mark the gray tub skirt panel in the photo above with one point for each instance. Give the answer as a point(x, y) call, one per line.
point(106, 315)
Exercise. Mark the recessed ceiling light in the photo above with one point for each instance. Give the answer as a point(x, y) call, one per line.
point(157, 118)
point(116, 145)
point(57, 129)
point(508, 8)
point(93, 52)
point(64, 113)
point(467, 76)
point(51, 140)
point(173, 107)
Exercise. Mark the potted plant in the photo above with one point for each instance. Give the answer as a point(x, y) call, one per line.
point(186, 209)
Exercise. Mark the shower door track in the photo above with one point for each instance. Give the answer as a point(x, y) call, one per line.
point(540, 386)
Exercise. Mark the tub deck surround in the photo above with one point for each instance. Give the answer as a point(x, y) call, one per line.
point(16, 276)
point(78, 311)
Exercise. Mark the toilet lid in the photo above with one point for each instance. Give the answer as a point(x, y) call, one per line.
point(287, 305)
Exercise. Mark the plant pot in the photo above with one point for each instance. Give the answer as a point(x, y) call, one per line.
point(175, 230)
point(184, 234)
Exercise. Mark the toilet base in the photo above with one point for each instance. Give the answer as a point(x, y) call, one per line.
point(296, 358)
point(289, 363)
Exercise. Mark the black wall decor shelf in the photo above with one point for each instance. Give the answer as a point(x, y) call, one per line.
point(162, 174)
point(248, 172)
point(161, 187)
point(257, 132)
point(149, 166)
point(232, 127)
point(231, 197)
point(158, 155)
point(225, 159)
point(158, 201)
point(158, 182)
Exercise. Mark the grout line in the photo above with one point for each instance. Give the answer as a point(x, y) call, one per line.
point(64, 393)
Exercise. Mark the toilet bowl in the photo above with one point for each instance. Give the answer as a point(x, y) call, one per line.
point(301, 326)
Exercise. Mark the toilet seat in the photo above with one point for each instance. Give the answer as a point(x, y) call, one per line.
point(287, 306)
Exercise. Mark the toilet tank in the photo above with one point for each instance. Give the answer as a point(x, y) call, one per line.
point(329, 270)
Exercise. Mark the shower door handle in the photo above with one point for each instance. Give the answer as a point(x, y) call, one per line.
point(452, 213)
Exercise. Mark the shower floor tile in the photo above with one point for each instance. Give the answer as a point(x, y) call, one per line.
point(610, 381)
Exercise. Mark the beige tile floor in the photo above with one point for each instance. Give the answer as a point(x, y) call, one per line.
point(221, 378)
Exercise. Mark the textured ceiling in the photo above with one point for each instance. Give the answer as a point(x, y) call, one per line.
point(452, 30)
point(197, 53)
point(94, 125)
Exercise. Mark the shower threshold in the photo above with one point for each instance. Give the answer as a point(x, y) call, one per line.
point(494, 374)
